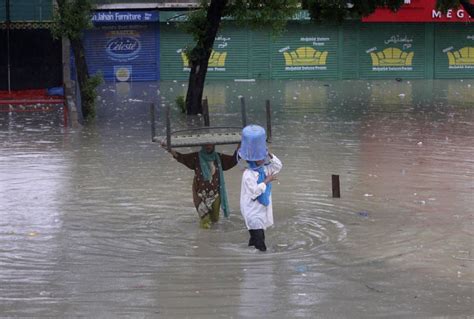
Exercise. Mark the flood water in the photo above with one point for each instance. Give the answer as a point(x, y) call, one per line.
point(98, 221)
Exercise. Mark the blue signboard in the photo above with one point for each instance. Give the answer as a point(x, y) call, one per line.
point(120, 17)
point(123, 47)
point(123, 54)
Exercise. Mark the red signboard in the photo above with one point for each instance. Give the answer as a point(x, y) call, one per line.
point(419, 11)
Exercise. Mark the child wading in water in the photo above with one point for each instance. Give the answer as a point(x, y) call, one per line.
point(209, 191)
point(256, 189)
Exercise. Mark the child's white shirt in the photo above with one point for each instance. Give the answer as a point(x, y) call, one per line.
point(256, 215)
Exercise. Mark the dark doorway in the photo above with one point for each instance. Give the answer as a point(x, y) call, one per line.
point(35, 59)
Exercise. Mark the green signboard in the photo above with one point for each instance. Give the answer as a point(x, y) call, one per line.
point(305, 51)
point(454, 51)
point(391, 50)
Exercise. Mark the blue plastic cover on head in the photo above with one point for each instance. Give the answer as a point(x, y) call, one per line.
point(254, 143)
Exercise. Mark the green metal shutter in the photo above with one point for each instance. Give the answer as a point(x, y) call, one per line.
point(349, 50)
point(31, 10)
point(305, 50)
point(454, 51)
point(231, 54)
point(3, 10)
point(229, 60)
point(172, 42)
point(259, 54)
point(391, 51)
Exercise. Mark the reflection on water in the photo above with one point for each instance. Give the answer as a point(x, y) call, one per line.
point(391, 98)
point(99, 222)
point(460, 93)
point(301, 98)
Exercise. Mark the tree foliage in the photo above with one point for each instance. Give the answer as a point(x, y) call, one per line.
point(71, 18)
point(338, 10)
point(203, 25)
point(445, 5)
point(254, 13)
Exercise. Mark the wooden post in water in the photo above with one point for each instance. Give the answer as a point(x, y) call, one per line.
point(205, 112)
point(168, 128)
point(336, 191)
point(268, 109)
point(152, 119)
point(244, 113)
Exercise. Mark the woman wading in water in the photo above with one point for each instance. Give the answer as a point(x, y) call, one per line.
point(209, 191)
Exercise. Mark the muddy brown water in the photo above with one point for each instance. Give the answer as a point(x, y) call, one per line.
point(98, 222)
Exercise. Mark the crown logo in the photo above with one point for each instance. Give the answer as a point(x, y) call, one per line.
point(464, 56)
point(392, 57)
point(217, 59)
point(305, 56)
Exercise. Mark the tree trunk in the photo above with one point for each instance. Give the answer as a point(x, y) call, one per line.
point(199, 57)
point(196, 85)
point(87, 101)
point(87, 106)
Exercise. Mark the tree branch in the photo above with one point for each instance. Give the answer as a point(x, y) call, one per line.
point(468, 7)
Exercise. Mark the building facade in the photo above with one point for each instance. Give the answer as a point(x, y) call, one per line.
point(417, 42)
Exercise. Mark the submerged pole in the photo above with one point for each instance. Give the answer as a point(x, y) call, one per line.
point(244, 112)
point(168, 128)
point(205, 112)
point(268, 109)
point(152, 119)
point(336, 191)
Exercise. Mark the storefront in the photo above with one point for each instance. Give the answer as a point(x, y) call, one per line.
point(454, 51)
point(29, 56)
point(417, 42)
point(123, 45)
point(441, 44)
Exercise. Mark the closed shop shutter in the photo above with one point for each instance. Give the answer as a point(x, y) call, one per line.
point(349, 51)
point(229, 59)
point(231, 54)
point(123, 53)
point(259, 54)
point(173, 41)
point(454, 51)
point(305, 50)
point(388, 51)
